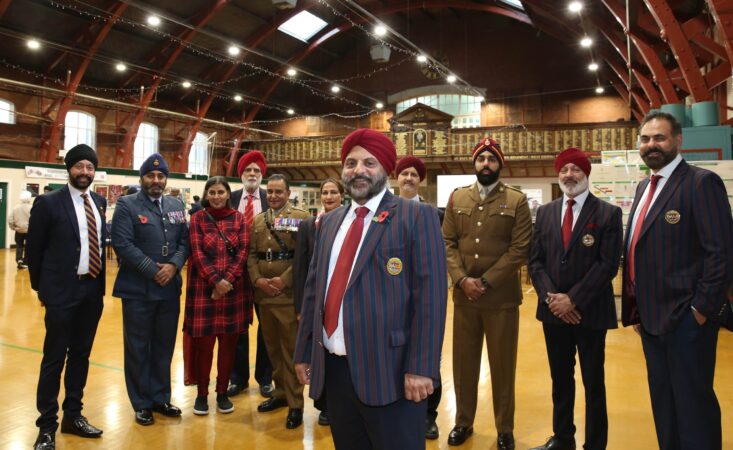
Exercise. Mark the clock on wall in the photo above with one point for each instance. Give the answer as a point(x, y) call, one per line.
point(430, 71)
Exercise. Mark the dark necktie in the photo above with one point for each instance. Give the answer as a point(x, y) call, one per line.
point(95, 262)
point(640, 224)
point(567, 224)
point(156, 202)
point(342, 270)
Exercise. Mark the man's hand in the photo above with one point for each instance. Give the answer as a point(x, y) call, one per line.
point(417, 388)
point(303, 371)
point(699, 317)
point(473, 288)
point(277, 283)
point(265, 286)
point(562, 307)
point(165, 273)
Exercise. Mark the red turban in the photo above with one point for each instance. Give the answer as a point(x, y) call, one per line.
point(252, 156)
point(575, 156)
point(375, 143)
point(488, 144)
point(411, 161)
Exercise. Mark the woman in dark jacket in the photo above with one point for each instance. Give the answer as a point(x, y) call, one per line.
point(217, 304)
point(332, 193)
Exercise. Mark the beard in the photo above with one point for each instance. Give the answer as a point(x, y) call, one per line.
point(252, 185)
point(80, 182)
point(571, 190)
point(362, 193)
point(655, 158)
point(487, 179)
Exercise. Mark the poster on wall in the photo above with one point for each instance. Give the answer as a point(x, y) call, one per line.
point(102, 189)
point(33, 188)
point(115, 190)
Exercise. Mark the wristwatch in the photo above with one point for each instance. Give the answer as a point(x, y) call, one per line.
point(484, 282)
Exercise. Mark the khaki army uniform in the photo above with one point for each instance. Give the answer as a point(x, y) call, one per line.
point(487, 239)
point(267, 259)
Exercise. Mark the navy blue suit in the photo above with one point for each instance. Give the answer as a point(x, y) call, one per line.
point(584, 272)
point(73, 305)
point(682, 260)
point(143, 236)
point(263, 366)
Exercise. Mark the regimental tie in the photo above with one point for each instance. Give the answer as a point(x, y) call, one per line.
point(342, 271)
point(640, 224)
point(249, 210)
point(567, 224)
point(95, 262)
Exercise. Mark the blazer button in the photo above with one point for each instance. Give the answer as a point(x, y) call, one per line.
point(478, 224)
point(475, 256)
point(563, 261)
point(478, 240)
point(480, 208)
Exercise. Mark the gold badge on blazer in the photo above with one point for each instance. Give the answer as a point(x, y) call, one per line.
point(394, 266)
point(672, 217)
point(588, 240)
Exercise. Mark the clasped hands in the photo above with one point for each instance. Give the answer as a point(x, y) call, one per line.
point(166, 272)
point(473, 288)
point(272, 287)
point(563, 308)
point(221, 288)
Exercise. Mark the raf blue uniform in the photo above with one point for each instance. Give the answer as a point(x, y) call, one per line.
point(143, 235)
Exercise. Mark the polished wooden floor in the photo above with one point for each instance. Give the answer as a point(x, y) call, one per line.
point(107, 405)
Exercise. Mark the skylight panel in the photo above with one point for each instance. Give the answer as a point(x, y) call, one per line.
point(303, 26)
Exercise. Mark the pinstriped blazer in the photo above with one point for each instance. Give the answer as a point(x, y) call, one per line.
point(684, 252)
point(393, 324)
point(586, 269)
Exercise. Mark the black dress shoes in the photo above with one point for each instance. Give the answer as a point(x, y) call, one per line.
point(144, 416)
point(167, 409)
point(266, 390)
point(272, 404)
point(556, 444)
point(458, 435)
point(323, 419)
point(295, 418)
point(505, 441)
point(45, 441)
point(80, 427)
point(431, 429)
point(235, 389)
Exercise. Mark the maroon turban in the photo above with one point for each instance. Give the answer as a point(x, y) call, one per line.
point(488, 144)
point(375, 143)
point(252, 156)
point(411, 161)
point(575, 156)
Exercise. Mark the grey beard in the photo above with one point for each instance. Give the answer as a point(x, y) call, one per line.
point(362, 194)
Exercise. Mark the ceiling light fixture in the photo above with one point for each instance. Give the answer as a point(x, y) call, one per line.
point(379, 105)
point(599, 90)
point(120, 67)
point(33, 44)
point(292, 72)
point(186, 84)
point(335, 89)
point(592, 67)
point(233, 50)
point(575, 7)
point(153, 21)
point(291, 111)
point(451, 78)
point(422, 58)
point(380, 30)
point(586, 42)
point(237, 98)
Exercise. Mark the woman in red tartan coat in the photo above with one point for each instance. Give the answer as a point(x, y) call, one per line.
point(218, 307)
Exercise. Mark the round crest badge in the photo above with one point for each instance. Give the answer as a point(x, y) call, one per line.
point(672, 217)
point(588, 240)
point(394, 266)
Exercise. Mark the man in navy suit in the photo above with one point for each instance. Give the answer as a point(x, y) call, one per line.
point(250, 201)
point(373, 313)
point(576, 248)
point(677, 269)
point(66, 236)
point(150, 234)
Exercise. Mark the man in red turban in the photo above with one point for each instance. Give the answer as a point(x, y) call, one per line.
point(410, 172)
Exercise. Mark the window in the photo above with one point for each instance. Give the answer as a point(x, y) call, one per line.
point(515, 3)
point(7, 112)
point(465, 109)
point(303, 26)
point(146, 143)
point(79, 128)
point(198, 158)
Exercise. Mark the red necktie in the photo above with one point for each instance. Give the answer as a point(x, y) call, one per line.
point(249, 210)
point(640, 224)
point(567, 224)
point(95, 263)
point(342, 271)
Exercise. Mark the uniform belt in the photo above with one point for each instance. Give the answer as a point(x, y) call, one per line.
point(86, 276)
point(276, 256)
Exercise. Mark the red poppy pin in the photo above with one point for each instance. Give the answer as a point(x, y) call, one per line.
point(383, 217)
point(142, 218)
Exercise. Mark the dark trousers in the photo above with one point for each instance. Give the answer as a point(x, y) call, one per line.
point(149, 329)
point(20, 246)
point(562, 342)
point(263, 367)
point(433, 402)
point(70, 334)
point(356, 426)
point(681, 368)
point(204, 347)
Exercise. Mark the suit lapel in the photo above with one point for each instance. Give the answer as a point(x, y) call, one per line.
point(68, 206)
point(143, 198)
point(637, 198)
point(667, 191)
point(589, 208)
point(373, 236)
point(556, 221)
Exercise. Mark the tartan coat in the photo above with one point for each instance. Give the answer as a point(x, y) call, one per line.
point(209, 263)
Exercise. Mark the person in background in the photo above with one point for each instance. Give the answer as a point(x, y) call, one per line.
point(218, 307)
point(332, 194)
point(47, 189)
point(195, 206)
point(18, 222)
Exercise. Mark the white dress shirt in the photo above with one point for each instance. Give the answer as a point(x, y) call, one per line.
point(577, 206)
point(336, 344)
point(256, 202)
point(665, 172)
point(484, 191)
point(81, 217)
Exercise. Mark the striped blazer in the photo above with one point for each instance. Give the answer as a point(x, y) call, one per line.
point(586, 269)
point(393, 322)
point(683, 254)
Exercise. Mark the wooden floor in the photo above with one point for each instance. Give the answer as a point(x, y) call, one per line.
point(107, 405)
